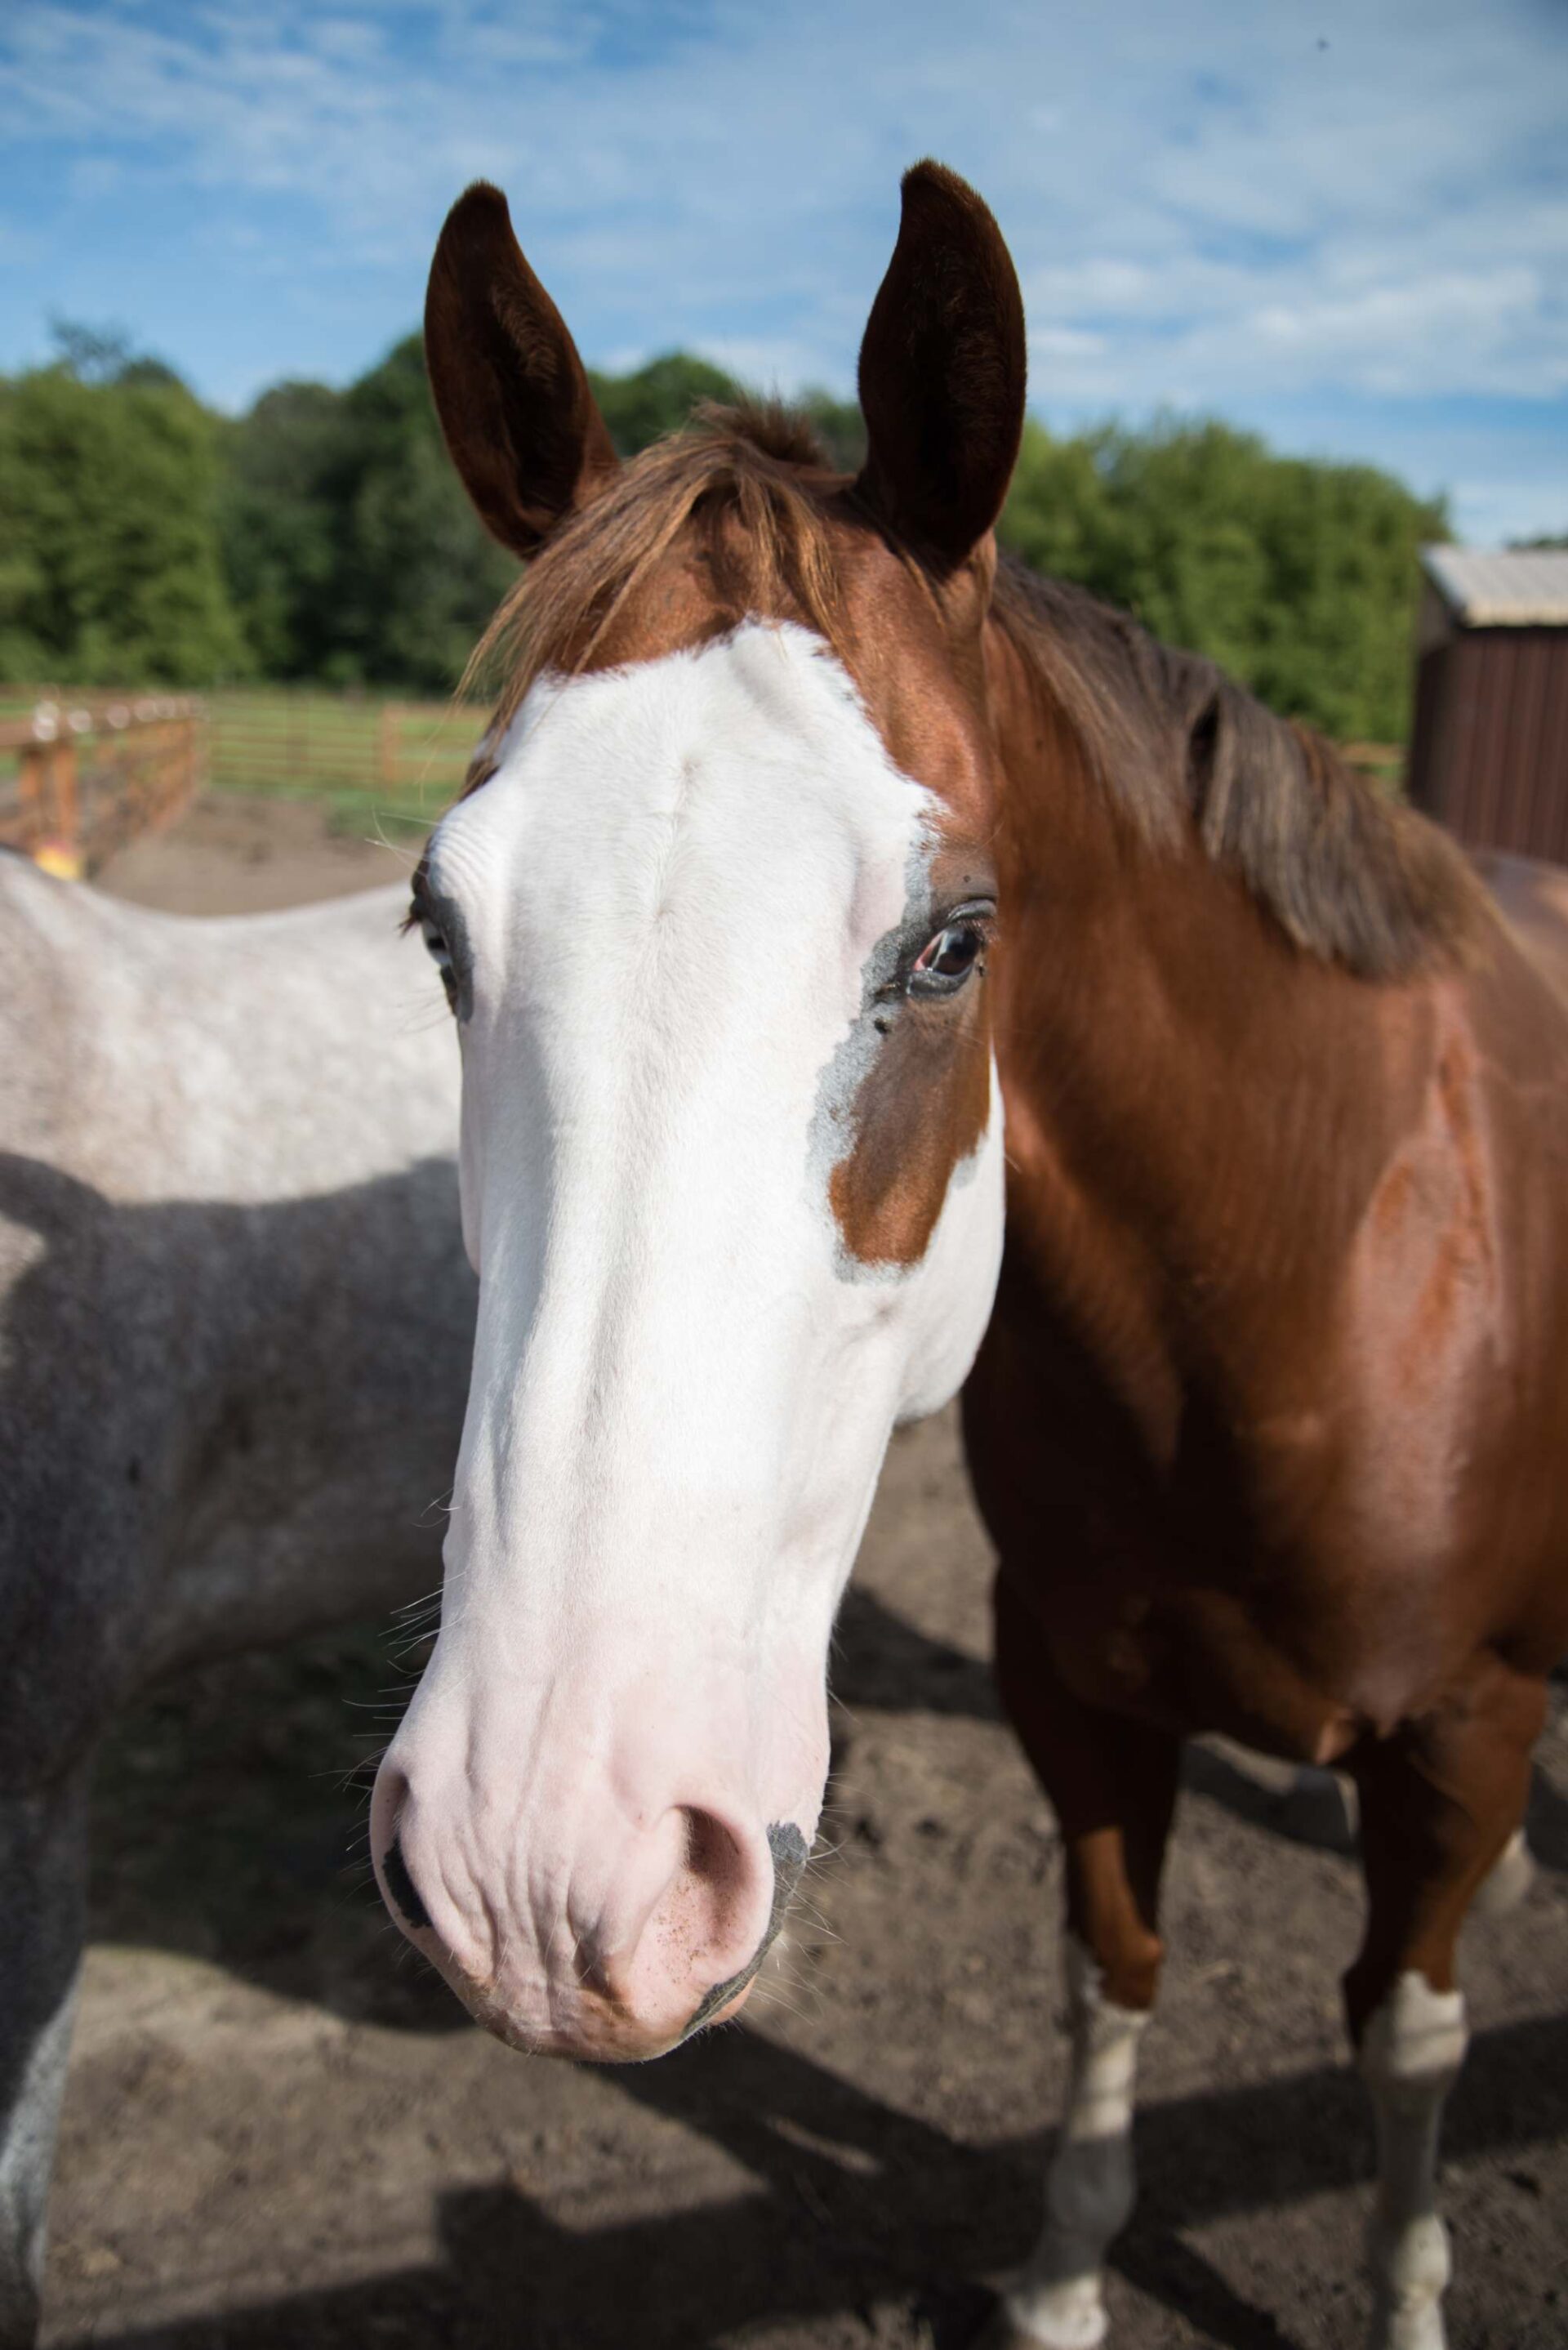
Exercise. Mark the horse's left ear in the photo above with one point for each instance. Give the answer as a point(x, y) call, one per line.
point(513, 398)
point(943, 372)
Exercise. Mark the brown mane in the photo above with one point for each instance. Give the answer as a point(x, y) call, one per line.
point(1347, 875)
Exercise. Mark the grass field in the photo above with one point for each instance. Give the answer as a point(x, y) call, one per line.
point(360, 753)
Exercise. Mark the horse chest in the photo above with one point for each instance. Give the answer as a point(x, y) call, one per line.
point(1207, 1570)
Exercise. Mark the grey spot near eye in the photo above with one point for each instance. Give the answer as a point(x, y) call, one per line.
point(447, 916)
point(832, 1135)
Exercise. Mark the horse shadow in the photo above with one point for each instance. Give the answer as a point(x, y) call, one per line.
point(862, 2221)
point(864, 2213)
point(225, 1826)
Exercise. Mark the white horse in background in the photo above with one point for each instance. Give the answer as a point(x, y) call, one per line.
point(236, 1329)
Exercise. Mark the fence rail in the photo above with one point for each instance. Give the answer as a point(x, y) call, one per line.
point(83, 772)
point(414, 754)
point(81, 778)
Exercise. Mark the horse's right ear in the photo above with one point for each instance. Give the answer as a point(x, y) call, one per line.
point(513, 398)
point(943, 372)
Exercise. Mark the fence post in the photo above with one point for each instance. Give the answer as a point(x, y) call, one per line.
point(66, 811)
point(387, 745)
point(30, 761)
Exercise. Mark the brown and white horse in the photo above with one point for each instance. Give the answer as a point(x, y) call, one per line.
point(806, 836)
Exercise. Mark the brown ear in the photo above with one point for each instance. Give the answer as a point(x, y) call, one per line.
point(943, 372)
point(513, 396)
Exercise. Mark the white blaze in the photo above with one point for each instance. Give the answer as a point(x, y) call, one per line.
point(670, 893)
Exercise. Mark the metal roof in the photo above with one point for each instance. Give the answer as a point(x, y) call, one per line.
point(1525, 588)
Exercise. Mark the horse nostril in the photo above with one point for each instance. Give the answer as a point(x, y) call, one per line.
point(788, 1850)
point(400, 1885)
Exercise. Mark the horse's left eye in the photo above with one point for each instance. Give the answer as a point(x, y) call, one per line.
point(945, 961)
point(439, 952)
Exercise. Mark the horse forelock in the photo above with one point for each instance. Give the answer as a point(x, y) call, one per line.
point(737, 517)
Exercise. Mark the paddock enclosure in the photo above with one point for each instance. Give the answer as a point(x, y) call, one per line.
point(82, 775)
point(280, 2131)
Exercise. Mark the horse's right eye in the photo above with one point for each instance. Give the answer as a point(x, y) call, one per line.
point(948, 958)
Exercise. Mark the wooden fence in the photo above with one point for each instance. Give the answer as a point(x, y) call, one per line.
point(78, 779)
point(410, 755)
point(83, 772)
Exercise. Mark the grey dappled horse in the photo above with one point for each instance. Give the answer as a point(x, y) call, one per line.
point(236, 1328)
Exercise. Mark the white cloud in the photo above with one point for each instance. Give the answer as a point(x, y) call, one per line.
point(1222, 205)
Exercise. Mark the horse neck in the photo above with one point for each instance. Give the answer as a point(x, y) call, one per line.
point(1189, 1100)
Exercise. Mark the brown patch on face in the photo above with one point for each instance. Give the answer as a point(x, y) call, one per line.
point(923, 1105)
point(920, 1111)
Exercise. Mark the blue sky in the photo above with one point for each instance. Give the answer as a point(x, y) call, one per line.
point(1345, 226)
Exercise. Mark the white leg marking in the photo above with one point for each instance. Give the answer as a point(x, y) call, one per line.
point(1055, 2299)
point(1512, 1874)
point(1410, 2058)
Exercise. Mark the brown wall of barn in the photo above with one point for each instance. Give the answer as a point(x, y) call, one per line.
point(1489, 756)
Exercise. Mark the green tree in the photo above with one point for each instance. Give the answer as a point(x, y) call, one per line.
point(324, 534)
point(657, 399)
point(840, 428)
point(279, 526)
point(110, 569)
point(354, 554)
point(1299, 577)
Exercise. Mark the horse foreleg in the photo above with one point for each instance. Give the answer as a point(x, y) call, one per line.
point(43, 1843)
point(1113, 1784)
point(1439, 1803)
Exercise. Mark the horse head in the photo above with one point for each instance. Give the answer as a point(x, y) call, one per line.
point(714, 918)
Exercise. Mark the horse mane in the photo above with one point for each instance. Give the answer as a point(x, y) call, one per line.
point(1348, 876)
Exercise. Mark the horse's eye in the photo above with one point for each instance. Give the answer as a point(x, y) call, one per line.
point(947, 961)
point(439, 952)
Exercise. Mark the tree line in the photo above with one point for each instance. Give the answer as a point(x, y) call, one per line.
point(323, 536)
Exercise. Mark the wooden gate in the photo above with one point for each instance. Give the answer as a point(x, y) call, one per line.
point(80, 779)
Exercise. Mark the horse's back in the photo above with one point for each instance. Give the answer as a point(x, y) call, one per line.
point(231, 1057)
point(234, 1310)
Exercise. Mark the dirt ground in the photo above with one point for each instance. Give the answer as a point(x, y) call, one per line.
point(280, 2131)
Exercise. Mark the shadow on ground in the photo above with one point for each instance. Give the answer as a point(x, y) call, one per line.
point(227, 1827)
point(858, 2206)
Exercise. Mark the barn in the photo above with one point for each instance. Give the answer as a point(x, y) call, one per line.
point(1489, 756)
